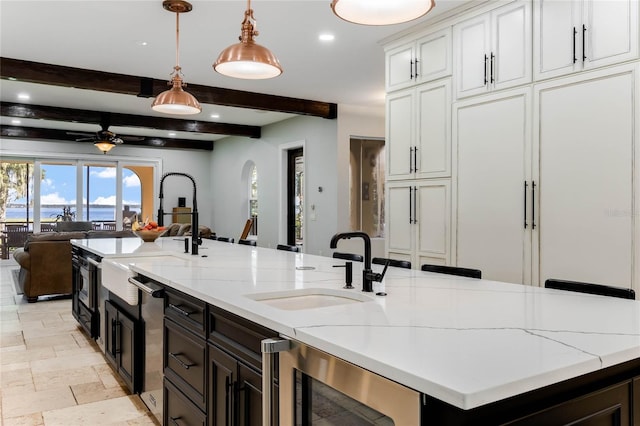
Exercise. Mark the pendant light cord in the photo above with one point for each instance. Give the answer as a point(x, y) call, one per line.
point(177, 41)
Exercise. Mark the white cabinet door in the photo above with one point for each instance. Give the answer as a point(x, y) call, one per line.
point(493, 50)
point(399, 213)
point(586, 179)
point(433, 142)
point(400, 67)
point(434, 56)
point(570, 36)
point(433, 198)
point(400, 134)
point(493, 163)
point(472, 50)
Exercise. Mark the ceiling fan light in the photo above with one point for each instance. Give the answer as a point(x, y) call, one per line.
point(247, 59)
point(104, 146)
point(176, 100)
point(381, 12)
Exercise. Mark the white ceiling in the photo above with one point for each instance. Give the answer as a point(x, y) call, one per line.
point(109, 36)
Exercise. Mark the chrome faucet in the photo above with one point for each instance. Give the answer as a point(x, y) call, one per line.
point(195, 233)
point(368, 276)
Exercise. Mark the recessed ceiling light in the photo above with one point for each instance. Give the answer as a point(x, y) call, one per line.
point(16, 121)
point(326, 37)
point(13, 79)
point(215, 115)
point(172, 134)
point(24, 96)
point(142, 43)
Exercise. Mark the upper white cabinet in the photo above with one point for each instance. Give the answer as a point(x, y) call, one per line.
point(493, 50)
point(574, 35)
point(426, 59)
point(419, 132)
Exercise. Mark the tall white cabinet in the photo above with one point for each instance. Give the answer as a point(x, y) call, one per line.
point(534, 173)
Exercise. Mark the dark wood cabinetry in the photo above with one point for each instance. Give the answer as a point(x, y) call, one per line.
point(212, 365)
point(123, 335)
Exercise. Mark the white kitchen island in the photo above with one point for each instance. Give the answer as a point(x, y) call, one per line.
point(471, 344)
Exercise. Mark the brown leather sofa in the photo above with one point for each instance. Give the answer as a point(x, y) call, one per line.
point(45, 261)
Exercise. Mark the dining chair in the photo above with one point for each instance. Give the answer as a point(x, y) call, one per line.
point(247, 242)
point(392, 262)
point(287, 247)
point(453, 270)
point(226, 239)
point(348, 256)
point(599, 289)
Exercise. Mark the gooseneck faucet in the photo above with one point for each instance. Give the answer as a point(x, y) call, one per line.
point(195, 233)
point(368, 276)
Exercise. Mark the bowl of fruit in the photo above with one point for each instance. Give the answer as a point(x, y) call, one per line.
point(147, 232)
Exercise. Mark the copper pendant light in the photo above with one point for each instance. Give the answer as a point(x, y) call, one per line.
point(104, 146)
point(176, 100)
point(381, 12)
point(248, 59)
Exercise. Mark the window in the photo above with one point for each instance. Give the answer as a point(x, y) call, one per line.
point(253, 199)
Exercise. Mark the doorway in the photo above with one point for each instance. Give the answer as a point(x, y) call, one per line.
point(295, 196)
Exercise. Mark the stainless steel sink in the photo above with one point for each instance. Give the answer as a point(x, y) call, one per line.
point(309, 298)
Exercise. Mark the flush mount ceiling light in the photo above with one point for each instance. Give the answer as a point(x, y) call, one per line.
point(248, 59)
point(176, 100)
point(381, 12)
point(104, 146)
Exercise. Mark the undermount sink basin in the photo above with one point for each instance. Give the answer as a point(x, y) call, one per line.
point(309, 298)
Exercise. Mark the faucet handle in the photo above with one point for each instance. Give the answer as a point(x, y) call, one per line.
point(348, 274)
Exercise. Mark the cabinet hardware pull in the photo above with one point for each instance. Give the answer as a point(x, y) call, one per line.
point(410, 207)
point(525, 203)
point(493, 57)
point(575, 33)
point(228, 400)
point(415, 202)
point(179, 310)
point(186, 365)
point(114, 338)
point(175, 420)
point(415, 65)
point(533, 205)
point(411, 69)
point(485, 70)
point(415, 159)
point(584, 40)
point(410, 159)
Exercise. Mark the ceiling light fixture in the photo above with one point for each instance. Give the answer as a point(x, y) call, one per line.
point(104, 146)
point(381, 12)
point(176, 100)
point(248, 59)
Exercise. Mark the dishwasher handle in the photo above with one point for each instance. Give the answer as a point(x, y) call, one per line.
point(269, 348)
point(153, 290)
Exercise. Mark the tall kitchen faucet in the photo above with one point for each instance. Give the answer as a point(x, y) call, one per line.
point(195, 233)
point(368, 276)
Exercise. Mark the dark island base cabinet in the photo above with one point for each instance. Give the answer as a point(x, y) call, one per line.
point(123, 338)
point(212, 365)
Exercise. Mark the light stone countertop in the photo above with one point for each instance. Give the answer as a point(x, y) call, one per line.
point(464, 341)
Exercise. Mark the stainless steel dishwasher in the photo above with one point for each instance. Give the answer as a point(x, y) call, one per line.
point(152, 313)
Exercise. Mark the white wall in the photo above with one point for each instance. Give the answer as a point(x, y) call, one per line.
point(195, 162)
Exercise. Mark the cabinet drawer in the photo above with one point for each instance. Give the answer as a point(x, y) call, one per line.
point(178, 410)
point(185, 361)
point(238, 335)
point(186, 310)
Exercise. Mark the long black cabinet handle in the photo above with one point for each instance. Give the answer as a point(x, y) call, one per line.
point(410, 207)
point(184, 364)
point(575, 33)
point(415, 66)
point(411, 69)
point(533, 205)
point(526, 185)
point(485, 69)
point(179, 310)
point(415, 159)
point(584, 40)
point(114, 338)
point(415, 202)
point(493, 58)
point(228, 400)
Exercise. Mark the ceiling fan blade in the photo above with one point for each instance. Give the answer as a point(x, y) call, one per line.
point(85, 139)
point(87, 134)
point(132, 138)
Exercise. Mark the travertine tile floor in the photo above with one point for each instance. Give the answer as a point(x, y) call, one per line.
point(51, 373)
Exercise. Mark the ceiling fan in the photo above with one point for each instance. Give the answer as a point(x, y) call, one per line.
point(104, 139)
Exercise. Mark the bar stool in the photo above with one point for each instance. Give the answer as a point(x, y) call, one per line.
point(453, 270)
point(286, 247)
point(247, 242)
point(348, 256)
point(599, 289)
point(392, 262)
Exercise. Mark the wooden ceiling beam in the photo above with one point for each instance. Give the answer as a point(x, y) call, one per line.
point(18, 110)
point(57, 75)
point(20, 132)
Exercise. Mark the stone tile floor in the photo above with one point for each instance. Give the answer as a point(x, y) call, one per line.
point(51, 373)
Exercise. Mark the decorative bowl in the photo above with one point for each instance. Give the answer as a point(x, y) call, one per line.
point(147, 236)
